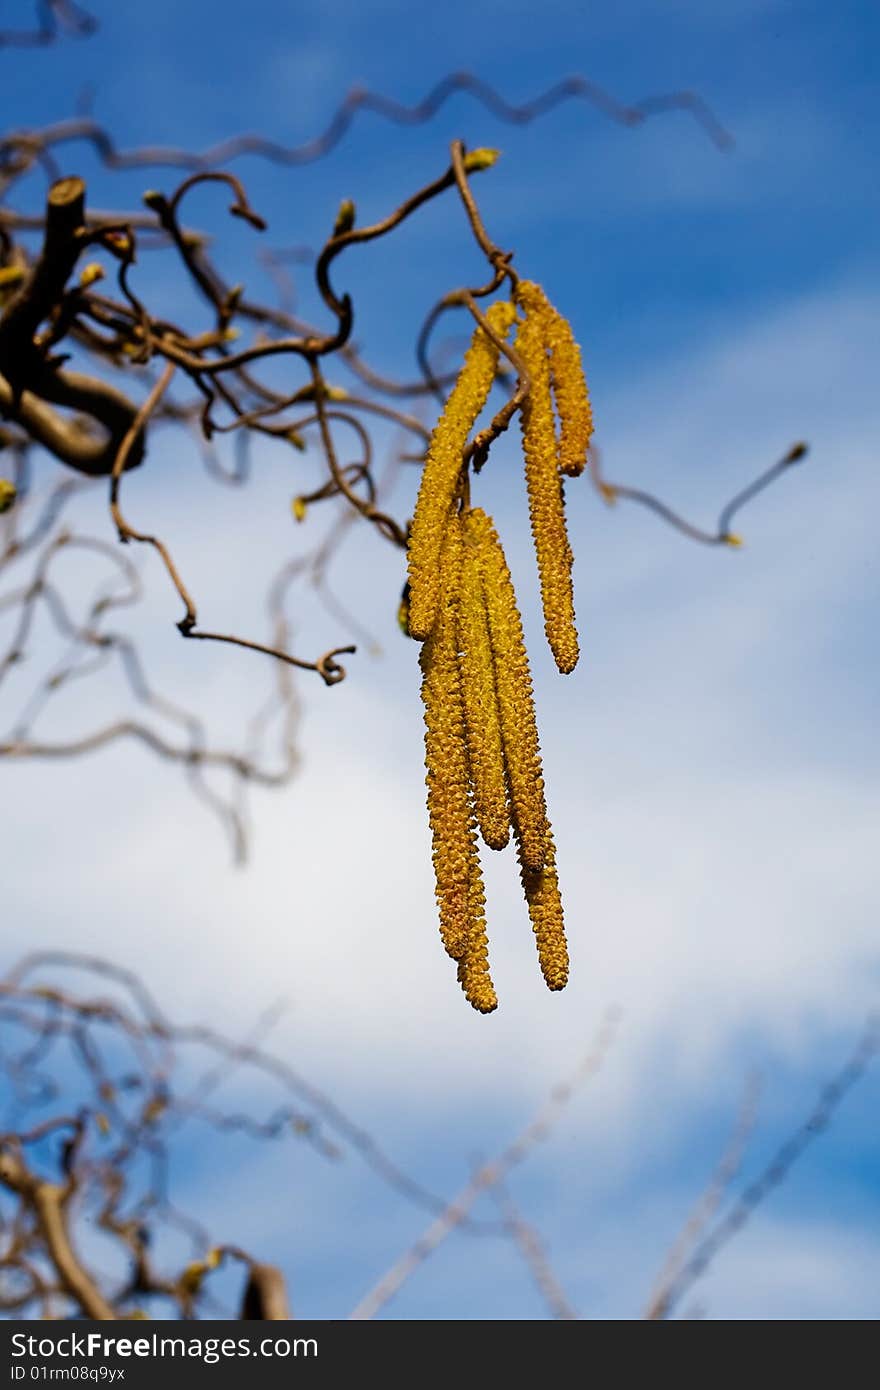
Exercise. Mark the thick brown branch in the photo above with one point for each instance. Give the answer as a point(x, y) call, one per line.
point(29, 381)
point(73, 441)
point(44, 288)
point(47, 1201)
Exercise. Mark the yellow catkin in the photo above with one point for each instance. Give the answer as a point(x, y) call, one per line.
point(544, 485)
point(443, 467)
point(455, 855)
point(482, 718)
point(513, 683)
point(570, 393)
point(541, 888)
point(473, 968)
point(567, 379)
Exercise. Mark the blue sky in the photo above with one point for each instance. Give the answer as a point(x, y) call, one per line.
point(712, 764)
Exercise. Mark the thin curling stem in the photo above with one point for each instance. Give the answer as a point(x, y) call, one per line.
point(482, 716)
point(519, 729)
point(456, 861)
point(544, 484)
point(443, 467)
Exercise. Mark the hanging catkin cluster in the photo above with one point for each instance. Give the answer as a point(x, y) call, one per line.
point(484, 773)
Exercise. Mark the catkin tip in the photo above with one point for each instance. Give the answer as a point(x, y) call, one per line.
point(545, 910)
point(473, 976)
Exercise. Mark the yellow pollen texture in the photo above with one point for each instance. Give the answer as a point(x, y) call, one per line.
point(544, 485)
point(473, 968)
point(570, 393)
point(482, 717)
point(443, 466)
point(541, 888)
point(446, 758)
point(519, 729)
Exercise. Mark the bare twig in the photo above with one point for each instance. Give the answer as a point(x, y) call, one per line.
point(531, 1247)
point(776, 1170)
point(707, 1204)
point(486, 1177)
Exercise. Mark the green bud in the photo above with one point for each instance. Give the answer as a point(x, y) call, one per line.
point(344, 217)
point(480, 159)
